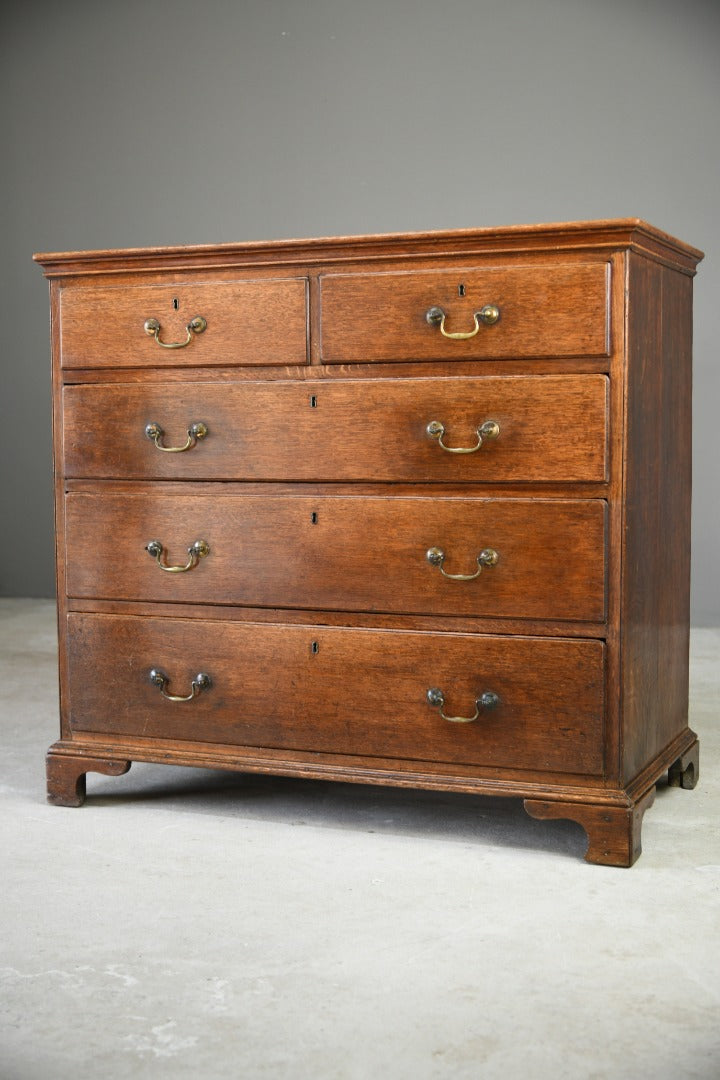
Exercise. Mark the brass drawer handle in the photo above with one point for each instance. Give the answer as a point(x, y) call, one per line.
point(489, 430)
point(195, 326)
point(487, 315)
point(196, 551)
point(487, 700)
point(488, 557)
point(196, 432)
point(200, 682)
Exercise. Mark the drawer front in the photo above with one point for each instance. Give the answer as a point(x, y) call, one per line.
point(526, 559)
point(248, 322)
point(558, 310)
point(342, 690)
point(550, 427)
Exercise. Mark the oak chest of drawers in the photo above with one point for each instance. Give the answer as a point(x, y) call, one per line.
point(406, 510)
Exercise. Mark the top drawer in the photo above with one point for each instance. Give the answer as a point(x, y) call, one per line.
point(202, 323)
point(557, 310)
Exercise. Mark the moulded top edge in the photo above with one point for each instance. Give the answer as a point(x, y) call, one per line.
point(620, 232)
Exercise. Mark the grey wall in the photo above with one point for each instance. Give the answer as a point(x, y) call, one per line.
point(166, 121)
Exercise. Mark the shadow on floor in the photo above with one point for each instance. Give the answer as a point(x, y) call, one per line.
point(485, 821)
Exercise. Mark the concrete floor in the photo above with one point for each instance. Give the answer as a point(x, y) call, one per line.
point(188, 923)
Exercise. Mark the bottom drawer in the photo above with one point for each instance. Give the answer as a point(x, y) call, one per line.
point(342, 690)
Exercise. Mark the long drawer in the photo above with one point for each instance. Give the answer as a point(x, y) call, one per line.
point(524, 558)
point(517, 428)
point(392, 694)
point(466, 313)
point(197, 323)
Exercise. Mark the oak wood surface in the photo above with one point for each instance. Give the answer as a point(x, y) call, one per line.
point(551, 428)
point(613, 832)
point(656, 582)
point(613, 233)
point(361, 692)
point(458, 624)
point(66, 775)
point(685, 770)
point(248, 322)
point(587, 487)
point(399, 772)
point(227, 373)
point(552, 310)
point(329, 552)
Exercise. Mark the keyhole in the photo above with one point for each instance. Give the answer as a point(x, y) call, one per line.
point(315, 647)
point(313, 401)
point(176, 303)
point(314, 517)
point(461, 289)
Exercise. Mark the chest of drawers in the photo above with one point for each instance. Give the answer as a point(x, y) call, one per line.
point(407, 510)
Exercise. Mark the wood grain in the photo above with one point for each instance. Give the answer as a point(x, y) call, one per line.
point(319, 490)
point(656, 579)
point(363, 692)
point(348, 554)
point(248, 322)
point(609, 234)
point(554, 310)
point(66, 775)
point(613, 831)
point(551, 428)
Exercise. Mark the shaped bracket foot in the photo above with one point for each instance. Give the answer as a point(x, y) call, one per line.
point(685, 772)
point(66, 775)
point(613, 831)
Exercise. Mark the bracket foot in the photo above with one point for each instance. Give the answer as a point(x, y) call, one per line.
point(613, 831)
point(685, 772)
point(66, 775)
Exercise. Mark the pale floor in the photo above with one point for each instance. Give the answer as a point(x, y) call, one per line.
point(193, 924)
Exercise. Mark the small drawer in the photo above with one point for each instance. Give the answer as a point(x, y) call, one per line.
point(518, 428)
point(504, 558)
point(508, 312)
point(195, 324)
point(537, 703)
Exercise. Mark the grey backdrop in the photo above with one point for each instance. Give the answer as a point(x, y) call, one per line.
point(172, 122)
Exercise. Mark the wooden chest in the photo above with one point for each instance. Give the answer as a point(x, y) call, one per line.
point(408, 510)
